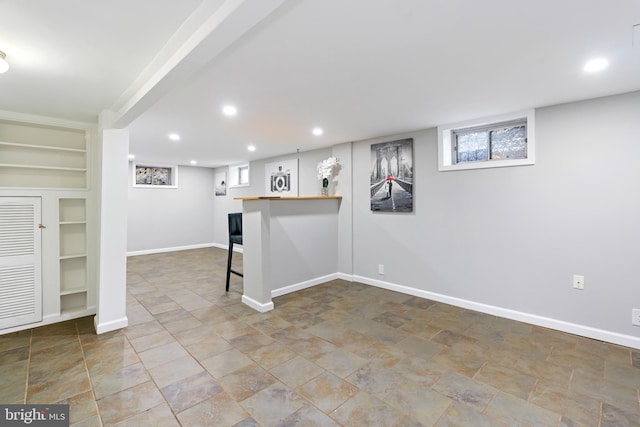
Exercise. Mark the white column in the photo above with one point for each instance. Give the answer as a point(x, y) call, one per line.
point(256, 256)
point(344, 188)
point(112, 258)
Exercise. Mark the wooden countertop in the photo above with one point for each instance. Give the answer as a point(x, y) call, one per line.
point(287, 198)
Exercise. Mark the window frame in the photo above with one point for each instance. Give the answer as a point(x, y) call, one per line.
point(235, 173)
point(447, 141)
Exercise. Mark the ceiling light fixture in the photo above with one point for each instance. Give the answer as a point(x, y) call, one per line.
point(594, 65)
point(251, 148)
point(193, 162)
point(4, 65)
point(132, 156)
point(317, 131)
point(230, 110)
point(174, 137)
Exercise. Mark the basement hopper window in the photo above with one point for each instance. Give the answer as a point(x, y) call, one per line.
point(239, 175)
point(495, 142)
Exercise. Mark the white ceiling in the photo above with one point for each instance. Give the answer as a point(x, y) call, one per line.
point(357, 68)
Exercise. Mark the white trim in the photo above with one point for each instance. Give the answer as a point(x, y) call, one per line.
point(445, 163)
point(76, 314)
point(236, 248)
point(345, 276)
point(50, 319)
point(45, 120)
point(262, 308)
point(111, 325)
point(546, 322)
point(303, 285)
point(175, 249)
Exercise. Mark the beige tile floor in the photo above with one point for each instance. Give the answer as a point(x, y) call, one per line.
point(335, 354)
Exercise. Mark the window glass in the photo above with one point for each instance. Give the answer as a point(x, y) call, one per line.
point(243, 175)
point(472, 146)
point(509, 143)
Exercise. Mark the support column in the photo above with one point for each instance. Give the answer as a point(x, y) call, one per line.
point(344, 188)
point(112, 258)
point(256, 218)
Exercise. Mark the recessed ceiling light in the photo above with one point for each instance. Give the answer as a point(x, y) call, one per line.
point(131, 156)
point(317, 131)
point(597, 64)
point(193, 162)
point(251, 148)
point(174, 137)
point(230, 110)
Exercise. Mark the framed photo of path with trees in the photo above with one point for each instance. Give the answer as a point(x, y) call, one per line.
point(392, 176)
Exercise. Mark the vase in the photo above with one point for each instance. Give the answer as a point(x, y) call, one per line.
point(324, 191)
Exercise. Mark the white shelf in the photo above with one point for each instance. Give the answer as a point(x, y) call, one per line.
point(33, 156)
point(43, 147)
point(72, 220)
point(51, 168)
point(72, 211)
point(72, 291)
point(72, 256)
point(71, 303)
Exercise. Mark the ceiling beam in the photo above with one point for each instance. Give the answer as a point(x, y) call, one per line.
point(204, 36)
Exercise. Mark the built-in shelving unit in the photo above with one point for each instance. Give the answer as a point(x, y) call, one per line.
point(73, 255)
point(42, 156)
point(50, 161)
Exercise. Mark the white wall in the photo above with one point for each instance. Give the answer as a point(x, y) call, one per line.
point(172, 218)
point(504, 240)
point(512, 238)
point(176, 218)
point(304, 242)
point(308, 185)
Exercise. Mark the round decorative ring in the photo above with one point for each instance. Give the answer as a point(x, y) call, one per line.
point(280, 183)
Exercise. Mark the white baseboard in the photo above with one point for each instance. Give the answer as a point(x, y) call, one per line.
point(226, 247)
point(49, 319)
point(262, 308)
point(183, 248)
point(303, 285)
point(173, 249)
point(112, 325)
point(546, 322)
point(345, 276)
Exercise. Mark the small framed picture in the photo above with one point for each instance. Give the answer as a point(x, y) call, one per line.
point(281, 178)
point(221, 184)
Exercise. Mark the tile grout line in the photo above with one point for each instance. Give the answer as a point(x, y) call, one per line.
point(148, 371)
point(26, 385)
point(86, 368)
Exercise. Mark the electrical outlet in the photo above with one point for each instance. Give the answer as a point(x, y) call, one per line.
point(635, 316)
point(380, 268)
point(578, 282)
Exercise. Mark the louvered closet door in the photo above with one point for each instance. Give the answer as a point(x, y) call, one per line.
point(20, 262)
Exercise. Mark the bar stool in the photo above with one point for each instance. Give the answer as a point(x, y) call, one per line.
point(235, 237)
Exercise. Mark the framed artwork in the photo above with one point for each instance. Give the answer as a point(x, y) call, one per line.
point(155, 176)
point(221, 183)
point(281, 178)
point(391, 176)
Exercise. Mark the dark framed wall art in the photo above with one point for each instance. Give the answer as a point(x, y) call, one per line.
point(391, 176)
